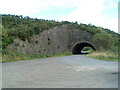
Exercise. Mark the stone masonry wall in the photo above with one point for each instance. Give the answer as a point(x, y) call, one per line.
point(55, 40)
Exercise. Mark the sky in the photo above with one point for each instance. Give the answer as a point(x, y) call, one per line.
point(103, 13)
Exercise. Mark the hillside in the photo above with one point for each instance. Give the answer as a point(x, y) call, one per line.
point(17, 26)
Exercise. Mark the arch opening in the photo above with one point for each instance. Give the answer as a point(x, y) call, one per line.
point(77, 49)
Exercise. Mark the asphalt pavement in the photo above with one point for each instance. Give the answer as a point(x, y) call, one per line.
point(76, 71)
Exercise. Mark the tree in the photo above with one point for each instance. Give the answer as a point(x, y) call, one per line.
point(103, 40)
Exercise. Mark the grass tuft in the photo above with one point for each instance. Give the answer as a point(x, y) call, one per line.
point(12, 56)
point(104, 55)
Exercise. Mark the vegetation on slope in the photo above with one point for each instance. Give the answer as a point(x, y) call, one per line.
point(12, 56)
point(108, 47)
point(17, 26)
point(104, 55)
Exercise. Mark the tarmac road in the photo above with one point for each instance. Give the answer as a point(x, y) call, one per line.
point(77, 71)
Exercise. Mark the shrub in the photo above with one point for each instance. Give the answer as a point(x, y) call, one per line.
point(103, 40)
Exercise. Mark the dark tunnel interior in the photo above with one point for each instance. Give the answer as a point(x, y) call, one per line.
point(77, 49)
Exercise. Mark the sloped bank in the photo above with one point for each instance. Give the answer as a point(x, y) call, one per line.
point(53, 41)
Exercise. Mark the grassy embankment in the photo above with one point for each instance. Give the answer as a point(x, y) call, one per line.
point(12, 56)
point(107, 55)
point(100, 55)
point(104, 55)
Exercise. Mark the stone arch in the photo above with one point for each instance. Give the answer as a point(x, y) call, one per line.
point(79, 46)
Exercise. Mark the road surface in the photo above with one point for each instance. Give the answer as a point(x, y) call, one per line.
point(77, 71)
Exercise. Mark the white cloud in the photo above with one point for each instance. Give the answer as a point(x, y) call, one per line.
point(91, 11)
point(20, 7)
point(25, 7)
point(111, 3)
point(87, 11)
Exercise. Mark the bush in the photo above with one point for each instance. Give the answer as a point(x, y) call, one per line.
point(103, 40)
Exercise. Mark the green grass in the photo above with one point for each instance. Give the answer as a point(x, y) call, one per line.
point(11, 56)
point(104, 55)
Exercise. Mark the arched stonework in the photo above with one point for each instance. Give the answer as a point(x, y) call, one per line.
point(79, 46)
